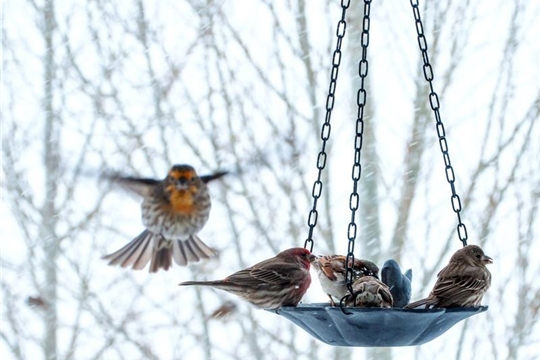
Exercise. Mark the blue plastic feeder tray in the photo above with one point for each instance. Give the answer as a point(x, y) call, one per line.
point(370, 327)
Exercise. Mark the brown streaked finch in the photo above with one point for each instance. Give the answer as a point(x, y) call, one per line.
point(368, 291)
point(461, 283)
point(279, 281)
point(332, 269)
point(173, 211)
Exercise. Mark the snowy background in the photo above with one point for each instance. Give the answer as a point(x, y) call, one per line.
point(136, 86)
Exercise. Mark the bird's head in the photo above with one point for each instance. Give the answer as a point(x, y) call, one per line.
point(182, 178)
point(315, 261)
point(303, 255)
point(365, 268)
point(474, 254)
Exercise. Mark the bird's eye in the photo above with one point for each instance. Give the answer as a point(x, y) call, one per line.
point(478, 256)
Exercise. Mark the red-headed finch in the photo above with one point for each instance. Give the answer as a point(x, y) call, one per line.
point(332, 269)
point(368, 291)
point(461, 283)
point(174, 210)
point(279, 281)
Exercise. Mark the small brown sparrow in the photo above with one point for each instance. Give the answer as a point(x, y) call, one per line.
point(368, 291)
point(461, 283)
point(332, 269)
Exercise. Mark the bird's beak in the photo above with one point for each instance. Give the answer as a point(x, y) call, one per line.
point(181, 184)
point(487, 260)
point(312, 258)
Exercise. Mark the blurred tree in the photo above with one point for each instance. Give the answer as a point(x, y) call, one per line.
point(91, 86)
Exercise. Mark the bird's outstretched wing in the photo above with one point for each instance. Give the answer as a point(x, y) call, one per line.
point(207, 178)
point(140, 186)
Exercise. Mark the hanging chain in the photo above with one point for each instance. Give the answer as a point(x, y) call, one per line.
point(434, 102)
point(358, 140)
point(325, 130)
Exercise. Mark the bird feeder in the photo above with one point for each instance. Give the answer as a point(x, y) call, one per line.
point(374, 327)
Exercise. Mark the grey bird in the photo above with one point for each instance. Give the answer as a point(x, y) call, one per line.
point(399, 284)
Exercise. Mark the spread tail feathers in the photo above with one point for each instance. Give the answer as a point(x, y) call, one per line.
point(136, 253)
point(191, 250)
point(153, 248)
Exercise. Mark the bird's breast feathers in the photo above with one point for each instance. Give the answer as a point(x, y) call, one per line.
point(182, 201)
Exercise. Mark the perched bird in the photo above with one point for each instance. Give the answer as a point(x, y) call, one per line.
point(174, 210)
point(332, 269)
point(461, 283)
point(279, 281)
point(368, 291)
point(224, 312)
point(399, 284)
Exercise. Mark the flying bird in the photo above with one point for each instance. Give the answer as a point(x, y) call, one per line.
point(224, 312)
point(399, 284)
point(279, 281)
point(37, 302)
point(173, 211)
point(461, 283)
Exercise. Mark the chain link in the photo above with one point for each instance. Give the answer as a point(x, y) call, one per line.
point(325, 129)
point(441, 133)
point(361, 96)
